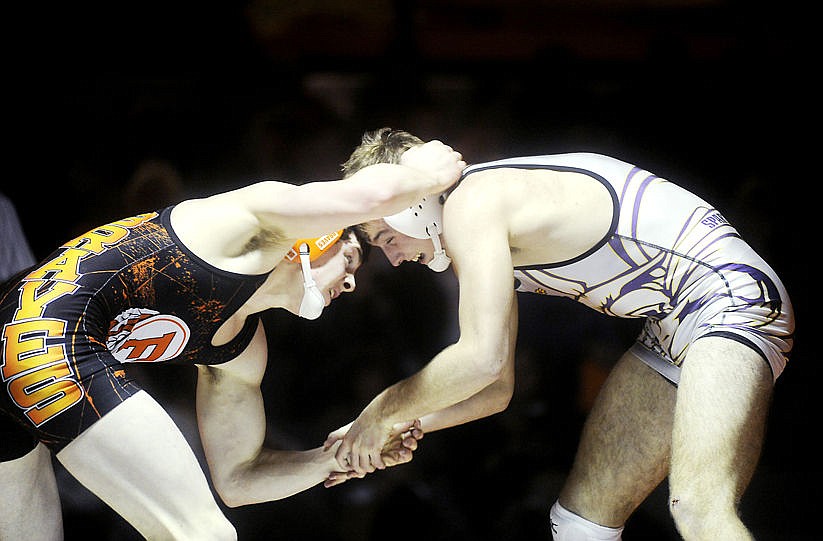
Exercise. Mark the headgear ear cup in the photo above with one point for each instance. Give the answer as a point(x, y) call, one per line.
point(306, 251)
point(424, 220)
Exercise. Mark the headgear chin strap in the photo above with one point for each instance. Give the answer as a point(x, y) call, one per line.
point(308, 250)
point(424, 220)
point(313, 302)
point(440, 261)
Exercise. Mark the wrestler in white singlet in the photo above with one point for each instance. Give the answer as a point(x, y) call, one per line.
point(669, 257)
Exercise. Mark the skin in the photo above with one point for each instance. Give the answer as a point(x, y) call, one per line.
point(117, 458)
point(641, 428)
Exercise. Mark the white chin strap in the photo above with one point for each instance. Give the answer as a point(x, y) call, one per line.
point(440, 261)
point(313, 302)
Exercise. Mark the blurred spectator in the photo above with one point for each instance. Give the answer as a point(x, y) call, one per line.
point(15, 253)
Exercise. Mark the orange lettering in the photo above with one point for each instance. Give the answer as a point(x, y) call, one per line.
point(136, 220)
point(24, 346)
point(36, 295)
point(100, 238)
point(140, 346)
point(63, 267)
point(39, 379)
point(45, 392)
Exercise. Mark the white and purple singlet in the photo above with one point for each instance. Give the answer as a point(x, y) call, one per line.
point(671, 258)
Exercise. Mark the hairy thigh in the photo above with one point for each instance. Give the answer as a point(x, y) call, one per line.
point(722, 405)
point(625, 445)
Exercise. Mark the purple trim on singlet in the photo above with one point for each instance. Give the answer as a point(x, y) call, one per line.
point(636, 208)
point(566, 169)
point(682, 266)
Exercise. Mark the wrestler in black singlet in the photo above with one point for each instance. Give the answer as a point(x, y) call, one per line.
point(128, 291)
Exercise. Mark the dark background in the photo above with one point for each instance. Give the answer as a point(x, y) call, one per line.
point(116, 110)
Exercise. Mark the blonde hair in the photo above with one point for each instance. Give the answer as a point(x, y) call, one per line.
point(379, 146)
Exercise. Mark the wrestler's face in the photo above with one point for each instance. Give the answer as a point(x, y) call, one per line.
point(334, 270)
point(398, 247)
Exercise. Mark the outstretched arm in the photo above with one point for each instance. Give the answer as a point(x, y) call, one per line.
point(492, 399)
point(478, 243)
point(231, 419)
point(264, 219)
point(315, 208)
point(232, 424)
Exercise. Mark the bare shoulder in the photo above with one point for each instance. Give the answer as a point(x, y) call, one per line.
point(475, 209)
point(479, 189)
point(488, 195)
point(214, 221)
point(225, 231)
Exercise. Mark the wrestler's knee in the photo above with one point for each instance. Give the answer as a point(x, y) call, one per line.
point(703, 517)
point(691, 521)
point(567, 526)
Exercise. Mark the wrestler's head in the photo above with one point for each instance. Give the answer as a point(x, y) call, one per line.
point(412, 234)
point(328, 265)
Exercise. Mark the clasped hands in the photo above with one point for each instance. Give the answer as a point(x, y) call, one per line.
point(396, 447)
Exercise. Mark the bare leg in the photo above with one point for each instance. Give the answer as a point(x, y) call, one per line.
point(137, 461)
point(625, 445)
point(722, 405)
point(29, 499)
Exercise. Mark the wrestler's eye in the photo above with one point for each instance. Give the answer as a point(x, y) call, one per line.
point(352, 258)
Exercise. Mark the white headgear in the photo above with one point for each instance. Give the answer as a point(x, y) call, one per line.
point(424, 220)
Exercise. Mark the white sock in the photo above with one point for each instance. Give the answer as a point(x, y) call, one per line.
point(567, 526)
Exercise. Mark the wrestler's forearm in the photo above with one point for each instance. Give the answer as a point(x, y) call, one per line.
point(493, 399)
point(275, 475)
point(448, 380)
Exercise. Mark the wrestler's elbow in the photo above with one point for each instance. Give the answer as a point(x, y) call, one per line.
point(230, 490)
point(490, 366)
point(503, 393)
point(484, 363)
point(499, 369)
point(494, 358)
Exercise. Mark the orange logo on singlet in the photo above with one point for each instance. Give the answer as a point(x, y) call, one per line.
point(142, 335)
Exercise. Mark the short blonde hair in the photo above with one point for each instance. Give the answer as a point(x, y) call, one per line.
point(379, 146)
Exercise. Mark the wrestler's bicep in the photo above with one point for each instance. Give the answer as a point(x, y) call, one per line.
point(230, 410)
